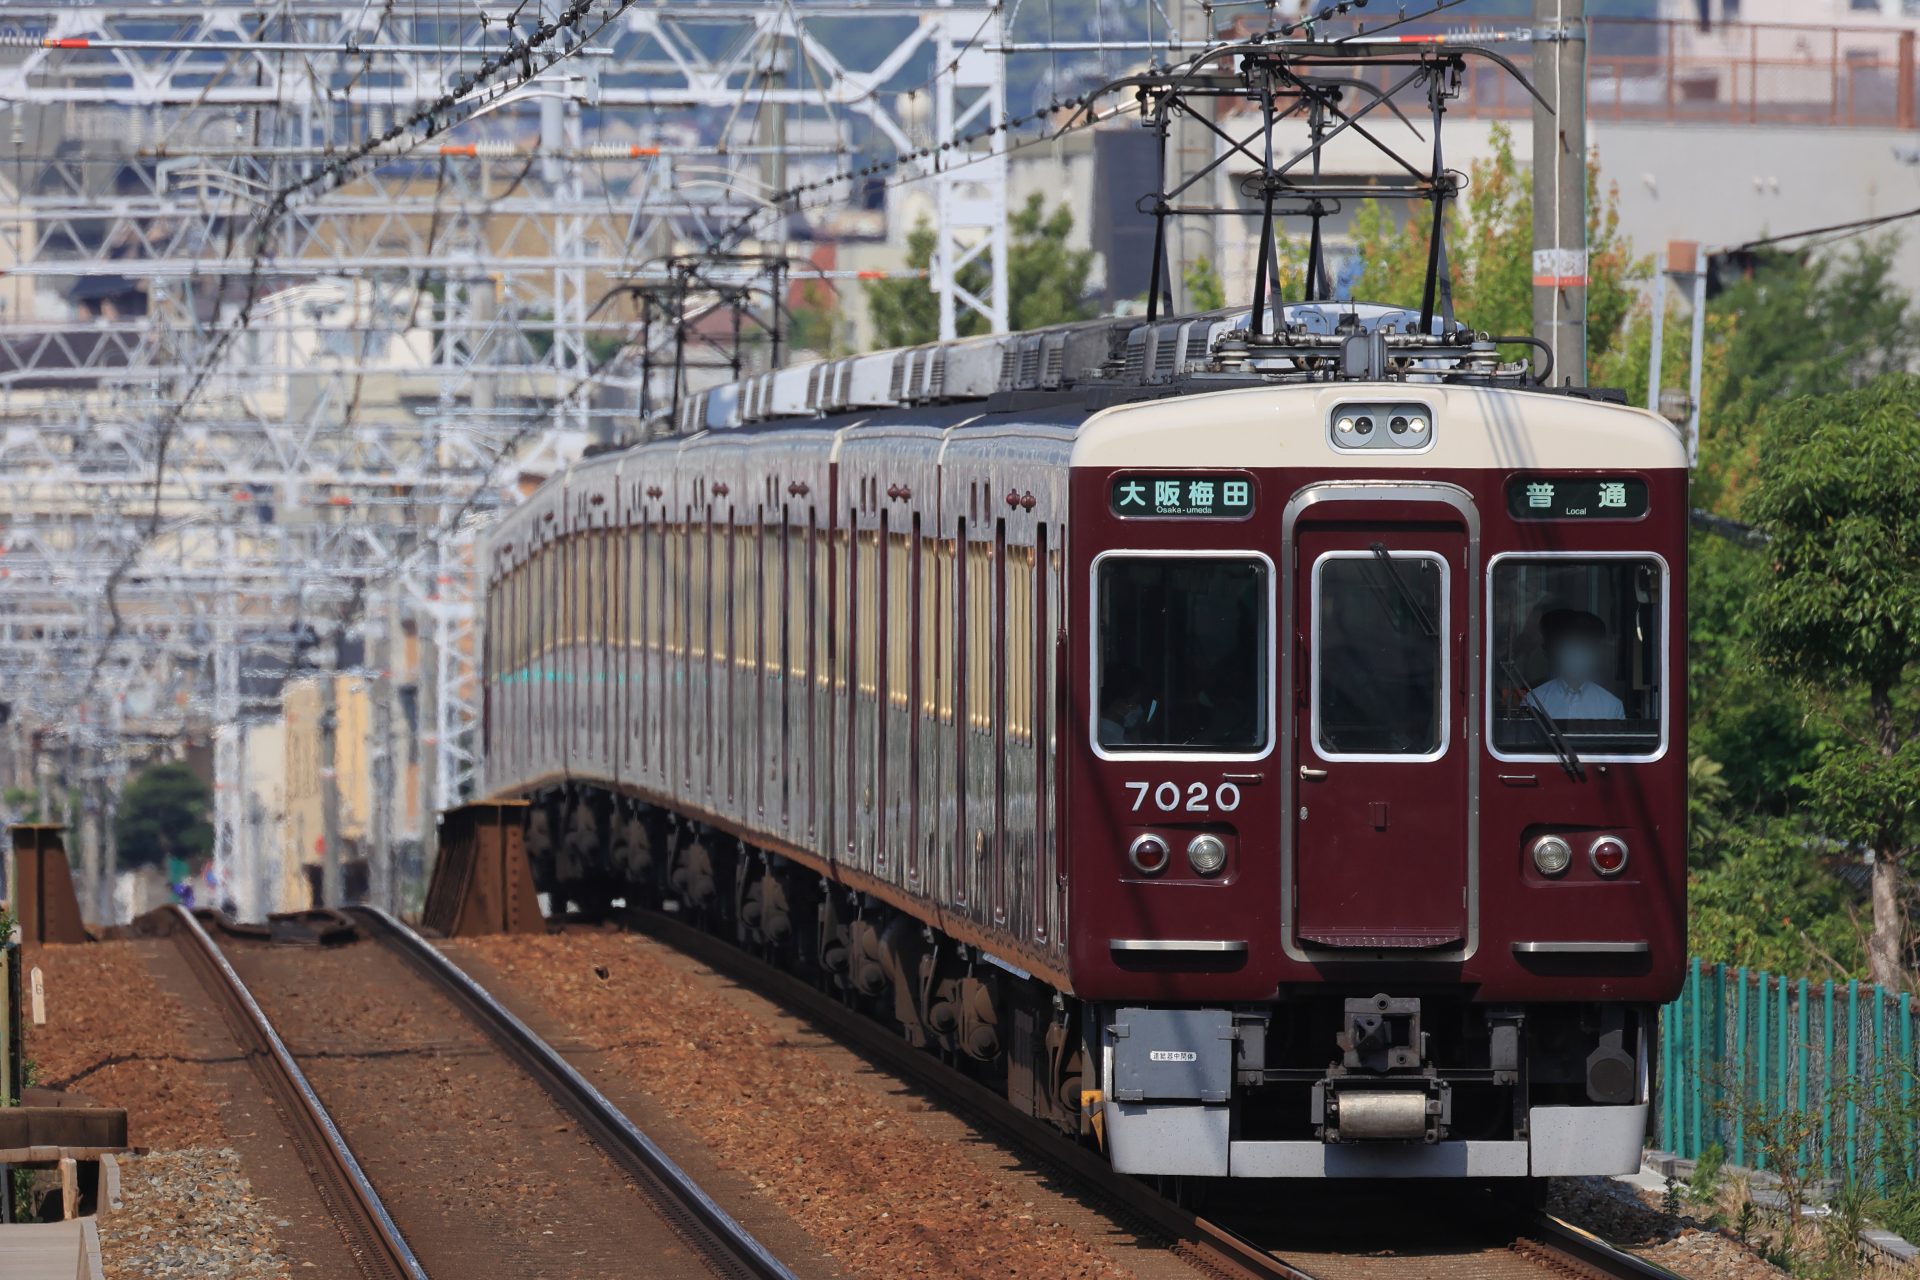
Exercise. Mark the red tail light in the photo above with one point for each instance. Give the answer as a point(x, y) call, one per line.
point(1608, 855)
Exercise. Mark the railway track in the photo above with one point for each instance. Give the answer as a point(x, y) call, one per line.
point(375, 1242)
point(674, 1196)
point(1224, 1245)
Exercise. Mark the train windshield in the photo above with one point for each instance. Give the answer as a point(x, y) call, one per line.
point(1577, 638)
point(1183, 654)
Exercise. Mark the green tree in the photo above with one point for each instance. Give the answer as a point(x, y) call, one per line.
point(165, 812)
point(906, 313)
point(815, 320)
point(1755, 726)
point(1490, 252)
point(1046, 281)
point(1203, 285)
point(1839, 609)
point(1798, 326)
point(1762, 893)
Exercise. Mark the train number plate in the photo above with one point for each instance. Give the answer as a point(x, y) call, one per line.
point(1194, 797)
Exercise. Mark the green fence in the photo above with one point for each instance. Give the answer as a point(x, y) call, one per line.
point(1780, 1070)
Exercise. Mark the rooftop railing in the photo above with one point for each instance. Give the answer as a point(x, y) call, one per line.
point(1736, 73)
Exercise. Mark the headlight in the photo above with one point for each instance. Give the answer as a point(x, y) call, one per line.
point(1417, 425)
point(1148, 854)
point(1207, 854)
point(1551, 855)
point(1608, 854)
point(1344, 426)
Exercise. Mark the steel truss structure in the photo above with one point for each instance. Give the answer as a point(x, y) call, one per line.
point(231, 420)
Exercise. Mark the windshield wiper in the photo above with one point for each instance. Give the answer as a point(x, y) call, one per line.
point(1385, 557)
point(1548, 726)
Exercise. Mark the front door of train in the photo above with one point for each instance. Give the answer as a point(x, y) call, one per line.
point(1380, 748)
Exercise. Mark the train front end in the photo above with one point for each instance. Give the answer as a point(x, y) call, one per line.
point(1376, 824)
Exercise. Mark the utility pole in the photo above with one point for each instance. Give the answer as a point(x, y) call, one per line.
point(380, 759)
point(427, 683)
point(773, 177)
point(332, 888)
point(1560, 185)
point(1191, 148)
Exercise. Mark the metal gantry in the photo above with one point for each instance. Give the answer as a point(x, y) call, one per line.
point(252, 393)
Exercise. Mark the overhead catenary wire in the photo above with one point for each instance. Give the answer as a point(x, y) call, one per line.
point(420, 126)
point(942, 156)
point(1836, 230)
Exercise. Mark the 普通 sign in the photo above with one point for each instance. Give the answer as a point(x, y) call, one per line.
point(1576, 497)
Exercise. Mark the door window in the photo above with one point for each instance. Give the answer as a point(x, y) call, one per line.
point(1380, 655)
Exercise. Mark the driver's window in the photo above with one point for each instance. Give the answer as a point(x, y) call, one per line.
point(1577, 638)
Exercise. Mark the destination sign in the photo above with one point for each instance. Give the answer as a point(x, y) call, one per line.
point(1576, 497)
point(1218, 497)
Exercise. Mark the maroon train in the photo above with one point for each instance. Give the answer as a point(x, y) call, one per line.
point(1264, 758)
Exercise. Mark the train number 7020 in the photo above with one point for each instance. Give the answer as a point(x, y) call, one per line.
point(1197, 798)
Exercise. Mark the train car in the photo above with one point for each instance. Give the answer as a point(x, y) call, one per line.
point(1262, 756)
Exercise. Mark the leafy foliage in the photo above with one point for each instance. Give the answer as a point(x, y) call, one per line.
point(905, 312)
point(1798, 326)
point(1752, 724)
point(1837, 480)
point(1046, 281)
point(1839, 610)
point(1490, 252)
point(1817, 326)
point(164, 813)
point(1805, 432)
point(1204, 290)
point(1764, 893)
point(815, 321)
point(25, 804)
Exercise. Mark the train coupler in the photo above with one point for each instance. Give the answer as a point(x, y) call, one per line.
point(1383, 1089)
point(1356, 1109)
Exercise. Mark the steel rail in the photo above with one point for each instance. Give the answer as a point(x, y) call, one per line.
point(1587, 1254)
point(694, 1215)
point(371, 1236)
point(1208, 1245)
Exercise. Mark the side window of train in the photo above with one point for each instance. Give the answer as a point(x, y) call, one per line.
point(1018, 643)
point(900, 636)
point(818, 598)
point(980, 637)
point(866, 603)
point(1577, 645)
point(1183, 653)
point(1380, 656)
point(936, 633)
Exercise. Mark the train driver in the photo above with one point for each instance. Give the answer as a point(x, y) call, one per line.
point(1575, 645)
point(1125, 707)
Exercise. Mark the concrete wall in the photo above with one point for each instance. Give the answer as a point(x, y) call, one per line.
point(1715, 184)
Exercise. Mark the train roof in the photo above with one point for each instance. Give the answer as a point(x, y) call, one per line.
point(1111, 362)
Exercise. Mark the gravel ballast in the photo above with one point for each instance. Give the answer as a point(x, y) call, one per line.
point(114, 1035)
point(189, 1212)
point(839, 1146)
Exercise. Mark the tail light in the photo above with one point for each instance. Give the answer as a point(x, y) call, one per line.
point(1551, 855)
point(1149, 854)
point(1608, 854)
